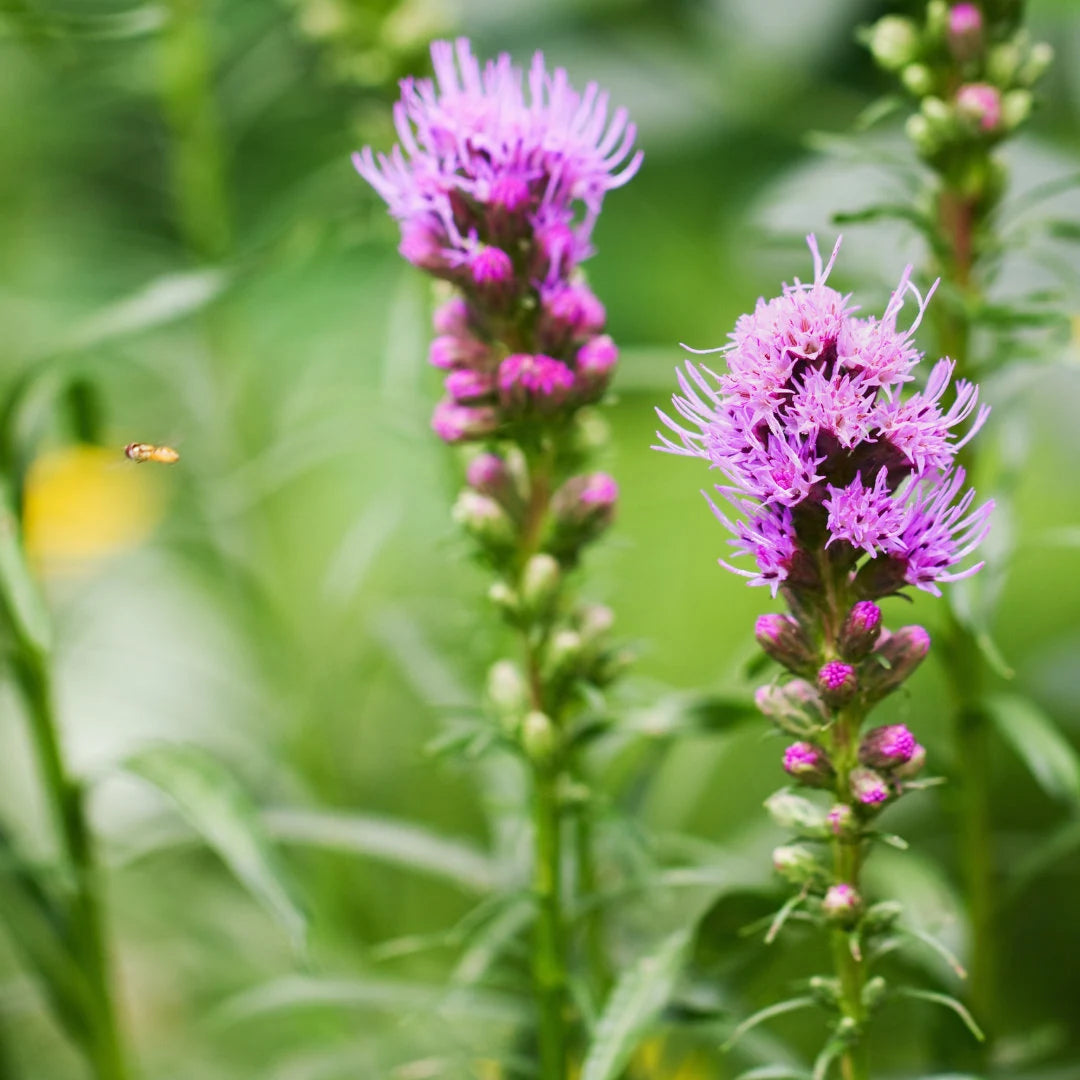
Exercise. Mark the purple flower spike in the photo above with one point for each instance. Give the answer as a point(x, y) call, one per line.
point(837, 682)
point(811, 428)
point(981, 104)
point(808, 764)
point(887, 747)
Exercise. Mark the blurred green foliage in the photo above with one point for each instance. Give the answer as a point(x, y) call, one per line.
point(183, 232)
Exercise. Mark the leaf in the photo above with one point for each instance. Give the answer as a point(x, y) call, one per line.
point(686, 714)
point(941, 949)
point(878, 110)
point(21, 596)
point(399, 842)
point(632, 1005)
point(486, 946)
point(946, 1002)
point(779, 1009)
point(294, 992)
point(1044, 750)
point(214, 804)
point(829, 1053)
point(774, 1072)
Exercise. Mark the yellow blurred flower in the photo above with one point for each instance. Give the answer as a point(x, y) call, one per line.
point(85, 503)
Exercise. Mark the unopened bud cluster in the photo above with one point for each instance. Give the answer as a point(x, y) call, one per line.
point(972, 76)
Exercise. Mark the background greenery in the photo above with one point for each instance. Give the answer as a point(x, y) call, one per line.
point(184, 237)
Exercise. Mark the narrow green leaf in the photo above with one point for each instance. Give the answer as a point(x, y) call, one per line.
point(779, 1009)
point(877, 111)
point(214, 804)
point(829, 1053)
point(399, 842)
point(946, 1002)
point(21, 596)
point(492, 941)
point(941, 949)
point(1044, 750)
point(775, 1072)
point(632, 1006)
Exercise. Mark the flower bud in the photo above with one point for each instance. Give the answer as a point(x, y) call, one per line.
point(583, 508)
point(980, 105)
point(570, 312)
point(452, 317)
point(842, 904)
point(488, 474)
point(873, 993)
point(937, 114)
point(1003, 63)
point(1016, 107)
point(965, 35)
point(937, 19)
point(483, 518)
point(424, 243)
point(782, 639)
point(883, 916)
point(451, 351)
point(539, 739)
point(808, 764)
point(900, 654)
point(492, 273)
point(470, 387)
point(563, 654)
point(534, 382)
point(869, 788)
point(894, 42)
point(795, 863)
point(836, 682)
point(558, 250)
point(795, 707)
point(918, 80)
point(860, 631)
point(540, 584)
point(887, 747)
point(841, 821)
point(507, 689)
point(1038, 61)
point(791, 811)
point(455, 423)
point(926, 141)
point(594, 363)
point(508, 203)
point(914, 764)
point(595, 622)
point(504, 598)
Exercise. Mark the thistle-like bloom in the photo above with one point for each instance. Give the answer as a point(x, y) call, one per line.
point(497, 181)
point(821, 448)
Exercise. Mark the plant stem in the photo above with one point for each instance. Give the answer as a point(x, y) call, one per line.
point(599, 973)
point(67, 799)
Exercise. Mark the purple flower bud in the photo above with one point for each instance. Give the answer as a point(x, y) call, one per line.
point(887, 747)
point(842, 904)
point(485, 519)
point(870, 789)
point(980, 103)
point(450, 351)
point(583, 507)
point(901, 653)
point(509, 201)
point(841, 821)
point(914, 764)
point(468, 387)
point(525, 379)
point(795, 707)
point(860, 631)
point(452, 317)
point(424, 243)
point(558, 249)
point(488, 474)
point(808, 764)
point(965, 31)
point(837, 682)
point(492, 272)
point(455, 423)
point(781, 637)
point(594, 363)
point(570, 312)
point(795, 863)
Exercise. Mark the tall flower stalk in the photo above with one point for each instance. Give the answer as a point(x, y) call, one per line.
point(971, 68)
point(842, 490)
point(497, 183)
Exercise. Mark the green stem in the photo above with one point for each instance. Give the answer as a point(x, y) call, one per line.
point(67, 799)
point(599, 972)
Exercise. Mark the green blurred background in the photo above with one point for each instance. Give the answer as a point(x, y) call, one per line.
point(183, 235)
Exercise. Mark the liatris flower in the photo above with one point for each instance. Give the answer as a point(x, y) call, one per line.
point(812, 431)
point(497, 183)
point(844, 489)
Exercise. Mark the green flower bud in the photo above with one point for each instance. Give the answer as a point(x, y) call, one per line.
point(506, 689)
point(1016, 107)
point(894, 42)
point(1003, 63)
point(504, 598)
point(1038, 61)
point(795, 863)
point(485, 520)
point(795, 707)
point(791, 811)
point(595, 622)
point(937, 18)
point(563, 654)
point(539, 739)
point(883, 916)
point(918, 80)
point(873, 993)
point(540, 585)
point(937, 113)
point(826, 990)
point(919, 131)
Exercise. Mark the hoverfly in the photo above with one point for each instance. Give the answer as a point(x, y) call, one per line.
point(139, 452)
